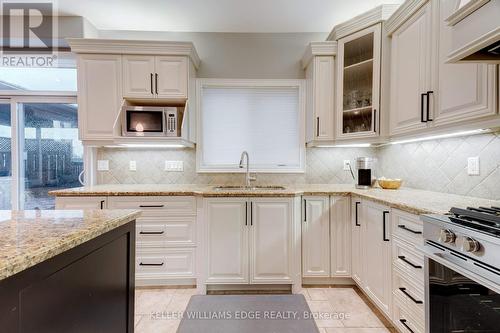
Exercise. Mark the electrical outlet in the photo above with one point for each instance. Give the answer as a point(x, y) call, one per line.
point(473, 166)
point(174, 166)
point(132, 166)
point(102, 165)
point(347, 163)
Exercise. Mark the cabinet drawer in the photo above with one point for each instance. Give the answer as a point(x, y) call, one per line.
point(156, 206)
point(168, 263)
point(408, 260)
point(166, 232)
point(409, 294)
point(404, 319)
point(150, 234)
point(407, 226)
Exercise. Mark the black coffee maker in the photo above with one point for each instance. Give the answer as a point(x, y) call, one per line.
point(364, 166)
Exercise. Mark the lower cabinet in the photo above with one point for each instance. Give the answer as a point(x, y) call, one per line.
point(249, 240)
point(371, 252)
point(81, 202)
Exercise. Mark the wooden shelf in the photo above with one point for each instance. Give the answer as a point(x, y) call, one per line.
point(358, 64)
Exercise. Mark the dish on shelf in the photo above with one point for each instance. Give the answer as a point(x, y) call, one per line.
point(389, 184)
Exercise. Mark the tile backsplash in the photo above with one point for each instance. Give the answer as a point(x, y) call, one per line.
point(437, 165)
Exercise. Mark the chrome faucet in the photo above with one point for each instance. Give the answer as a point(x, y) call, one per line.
point(248, 178)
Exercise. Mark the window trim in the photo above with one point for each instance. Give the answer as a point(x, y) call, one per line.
point(16, 150)
point(249, 83)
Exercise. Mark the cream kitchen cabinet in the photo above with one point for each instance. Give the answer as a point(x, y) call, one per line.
point(428, 94)
point(250, 241)
point(163, 77)
point(316, 236)
point(371, 252)
point(319, 65)
point(326, 237)
point(81, 203)
point(99, 95)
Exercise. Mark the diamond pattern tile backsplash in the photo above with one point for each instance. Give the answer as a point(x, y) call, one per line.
point(438, 165)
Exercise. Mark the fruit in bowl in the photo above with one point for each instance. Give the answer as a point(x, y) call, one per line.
point(389, 184)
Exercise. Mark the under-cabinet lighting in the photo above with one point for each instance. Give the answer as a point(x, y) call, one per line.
point(355, 145)
point(146, 145)
point(441, 136)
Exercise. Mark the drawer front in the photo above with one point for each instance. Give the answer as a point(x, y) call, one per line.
point(178, 263)
point(408, 260)
point(150, 234)
point(409, 294)
point(180, 232)
point(156, 206)
point(404, 320)
point(407, 226)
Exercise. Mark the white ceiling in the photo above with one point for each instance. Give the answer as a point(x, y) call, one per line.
point(218, 15)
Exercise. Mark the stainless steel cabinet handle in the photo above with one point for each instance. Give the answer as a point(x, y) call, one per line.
point(402, 226)
point(403, 258)
point(151, 232)
point(403, 290)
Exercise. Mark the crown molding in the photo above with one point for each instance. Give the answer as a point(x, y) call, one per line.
point(118, 46)
point(465, 11)
point(326, 48)
point(360, 22)
point(402, 14)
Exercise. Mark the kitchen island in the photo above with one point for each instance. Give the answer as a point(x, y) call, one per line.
point(67, 271)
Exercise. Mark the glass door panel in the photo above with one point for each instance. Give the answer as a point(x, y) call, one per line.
point(52, 155)
point(5, 156)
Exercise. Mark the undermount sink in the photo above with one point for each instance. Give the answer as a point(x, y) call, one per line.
point(249, 188)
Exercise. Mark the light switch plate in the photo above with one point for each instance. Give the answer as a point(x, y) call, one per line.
point(102, 165)
point(346, 165)
point(174, 166)
point(473, 166)
point(132, 166)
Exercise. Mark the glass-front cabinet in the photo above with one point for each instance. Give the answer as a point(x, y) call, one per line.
point(358, 84)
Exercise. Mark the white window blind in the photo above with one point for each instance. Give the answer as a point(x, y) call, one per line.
point(263, 120)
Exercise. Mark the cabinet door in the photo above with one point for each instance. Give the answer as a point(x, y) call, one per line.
point(466, 90)
point(358, 84)
point(377, 254)
point(323, 92)
point(357, 241)
point(340, 236)
point(271, 240)
point(315, 237)
point(138, 76)
point(172, 80)
point(99, 95)
point(80, 203)
point(410, 72)
point(227, 240)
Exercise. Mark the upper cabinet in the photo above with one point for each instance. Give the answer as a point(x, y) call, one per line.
point(358, 83)
point(319, 64)
point(155, 77)
point(427, 93)
point(113, 73)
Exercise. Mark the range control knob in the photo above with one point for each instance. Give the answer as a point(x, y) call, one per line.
point(447, 236)
point(470, 244)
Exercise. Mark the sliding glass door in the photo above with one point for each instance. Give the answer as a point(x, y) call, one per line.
point(5, 155)
point(51, 154)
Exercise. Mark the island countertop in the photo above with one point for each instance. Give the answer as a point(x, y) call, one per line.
point(31, 237)
point(407, 199)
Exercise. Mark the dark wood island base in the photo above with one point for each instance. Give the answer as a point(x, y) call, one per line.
point(89, 288)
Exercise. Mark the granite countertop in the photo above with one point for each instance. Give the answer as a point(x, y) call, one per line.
point(407, 199)
point(31, 237)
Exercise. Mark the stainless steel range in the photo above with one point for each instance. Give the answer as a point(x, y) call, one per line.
point(462, 269)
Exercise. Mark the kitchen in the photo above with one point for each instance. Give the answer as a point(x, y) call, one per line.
point(251, 169)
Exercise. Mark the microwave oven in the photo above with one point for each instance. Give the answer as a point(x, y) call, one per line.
point(152, 121)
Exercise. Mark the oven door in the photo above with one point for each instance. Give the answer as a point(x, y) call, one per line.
point(458, 303)
point(144, 122)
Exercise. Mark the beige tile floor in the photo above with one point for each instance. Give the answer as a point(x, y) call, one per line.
point(359, 315)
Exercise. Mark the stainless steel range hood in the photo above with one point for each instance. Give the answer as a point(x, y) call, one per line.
point(475, 32)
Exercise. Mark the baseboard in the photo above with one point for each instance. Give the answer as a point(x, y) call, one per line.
point(262, 288)
point(327, 281)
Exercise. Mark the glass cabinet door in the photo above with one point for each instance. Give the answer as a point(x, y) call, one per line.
point(359, 83)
